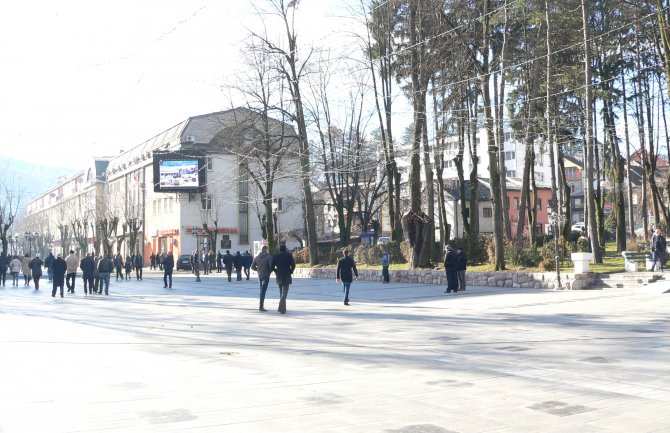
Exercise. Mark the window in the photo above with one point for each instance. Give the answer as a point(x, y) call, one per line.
point(516, 202)
point(538, 204)
point(206, 202)
point(510, 173)
point(209, 163)
point(572, 187)
point(510, 155)
point(278, 204)
point(488, 212)
point(539, 176)
point(570, 172)
point(578, 202)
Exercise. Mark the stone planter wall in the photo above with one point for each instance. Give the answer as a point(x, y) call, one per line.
point(520, 279)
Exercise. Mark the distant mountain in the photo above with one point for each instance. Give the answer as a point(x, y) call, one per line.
point(36, 178)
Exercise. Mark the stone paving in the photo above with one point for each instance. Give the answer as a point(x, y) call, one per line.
point(402, 358)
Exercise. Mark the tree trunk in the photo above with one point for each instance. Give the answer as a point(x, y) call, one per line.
point(588, 140)
point(496, 195)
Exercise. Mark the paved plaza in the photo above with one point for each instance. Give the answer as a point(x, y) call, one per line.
point(401, 359)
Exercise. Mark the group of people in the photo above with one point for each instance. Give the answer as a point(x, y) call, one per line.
point(455, 265)
point(29, 267)
point(136, 262)
point(62, 272)
point(208, 261)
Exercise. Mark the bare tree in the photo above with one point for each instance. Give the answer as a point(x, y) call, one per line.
point(11, 195)
point(294, 68)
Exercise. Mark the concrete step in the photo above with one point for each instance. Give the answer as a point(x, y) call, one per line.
point(631, 281)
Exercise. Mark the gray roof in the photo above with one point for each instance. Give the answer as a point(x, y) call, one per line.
point(452, 187)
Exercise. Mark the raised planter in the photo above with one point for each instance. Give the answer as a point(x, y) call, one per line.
point(581, 261)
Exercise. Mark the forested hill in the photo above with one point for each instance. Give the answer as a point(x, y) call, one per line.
point(29, 179)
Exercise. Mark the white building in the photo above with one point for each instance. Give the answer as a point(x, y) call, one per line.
point(125, 212)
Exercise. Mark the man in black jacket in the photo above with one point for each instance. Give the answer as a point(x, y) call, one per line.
point(283, 266)
point(462, 267)
point(658, 248)
point(4, 264)
point(58, 268)
point(138, 264)
point(238, 262)
point(168, 265)
point(105, 266)
point(87, 266)
point(451, 268)
point(346, 269)
point(228, 263)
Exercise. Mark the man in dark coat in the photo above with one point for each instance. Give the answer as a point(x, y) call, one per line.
point(152, 261)
point(462, 267)
point(168, 266)
point(346, 269)
point(118, 265)
point(138, 263)
point(283, 266)
point(247, 260)
point(105, 266)
point(87, 266)
point(219, 262)
point(451, 268)
point(263, 265)
point(48, 262)
point(658, 249)
point(238, 262)
point(58, 268)
point(36, 270)
point(228, 263)
point(4, 264)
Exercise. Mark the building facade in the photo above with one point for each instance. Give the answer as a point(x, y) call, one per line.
point(121, 210)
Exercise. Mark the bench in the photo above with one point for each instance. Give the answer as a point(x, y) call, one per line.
point(632, 258)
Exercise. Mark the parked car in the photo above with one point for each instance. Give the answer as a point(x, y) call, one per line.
point(383, 239)
point(184, 262)
point(578, 227)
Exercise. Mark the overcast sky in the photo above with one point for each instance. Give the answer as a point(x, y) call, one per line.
point(87, 78)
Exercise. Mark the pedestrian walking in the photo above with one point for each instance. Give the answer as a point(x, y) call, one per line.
point(118, 266)
point(105, 266)
point(346, 270)
point(14, 269)
point(247, 260)
point(658, 249)
point(25, 269)
point(96, 275)
point(219, 262)
point(238, 264)
point(47, 264)
point(152, 261)
point(59, 267)
point(462, 267)
point(283, 266)
point(87, 267)
point(72, 266)
point(385, 267)
point(138, 263)
point(212, 261)
point(128, 267)
point(451, 268)
point(228, 263)
point(161, 259)
point(36, 270)
point(4, 266)
point(168, 266)
point(262, 264)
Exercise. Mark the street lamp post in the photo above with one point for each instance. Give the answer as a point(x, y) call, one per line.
point(556, 219)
